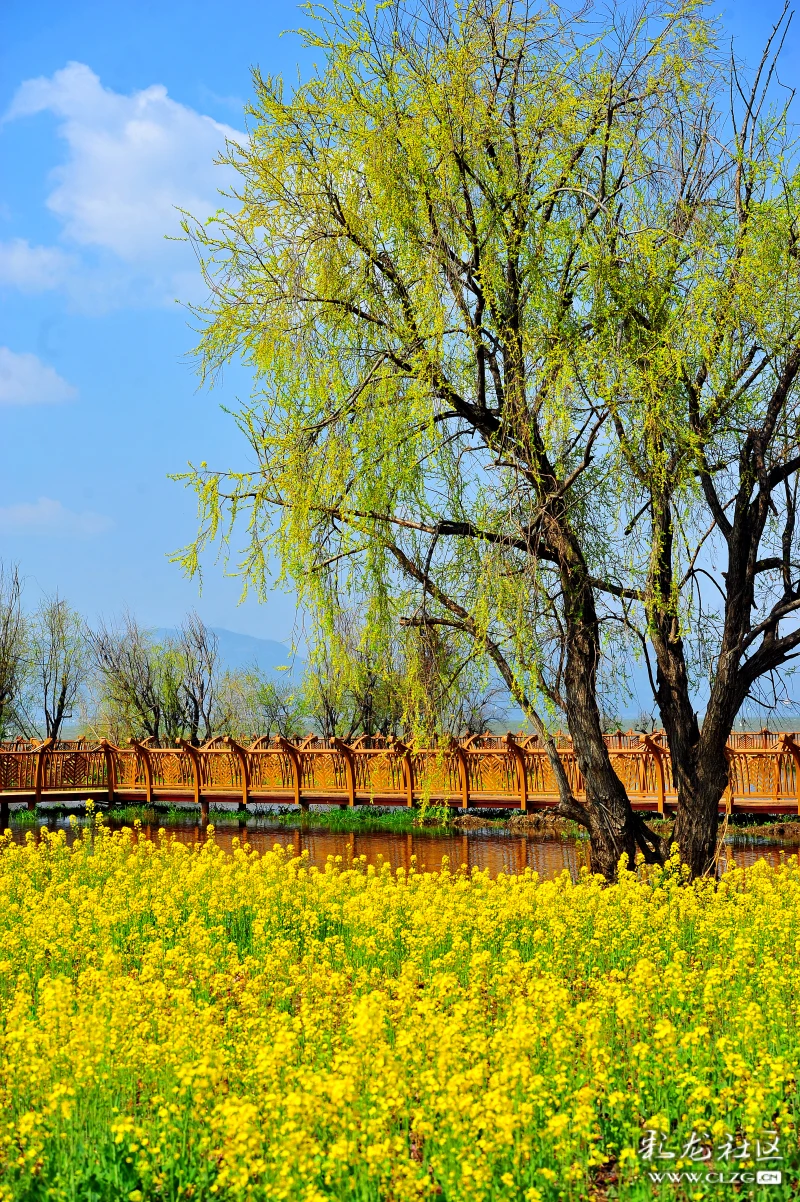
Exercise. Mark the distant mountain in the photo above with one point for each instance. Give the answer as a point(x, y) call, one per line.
point(242, 650)
point(245, 650)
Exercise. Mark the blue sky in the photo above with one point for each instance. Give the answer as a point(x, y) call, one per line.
point(110, 116)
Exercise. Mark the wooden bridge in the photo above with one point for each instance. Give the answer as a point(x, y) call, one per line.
point(480, 772)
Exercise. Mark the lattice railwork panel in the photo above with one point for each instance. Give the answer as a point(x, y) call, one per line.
point(128, 768)
point(323, 770)
point(753, 740)
point(762, 776)
point(378, 771)
point(220, 769)
point(18, 771)
point(491, 772)
point(171, 769)
point(74, 770)
point(270, 770)
point(787, 785)
point(541, 778)
point(620, 740)
point(435, 774)
point(638, 772)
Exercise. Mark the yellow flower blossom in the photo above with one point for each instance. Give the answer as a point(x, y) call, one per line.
point(182, 1023)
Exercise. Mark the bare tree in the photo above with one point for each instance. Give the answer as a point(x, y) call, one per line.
point(58, 668)
point(161, 689)
point(137, 682)
point(198, 650)
point(13, 635)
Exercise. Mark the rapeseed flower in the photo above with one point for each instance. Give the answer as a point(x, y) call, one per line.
point(183, 1023)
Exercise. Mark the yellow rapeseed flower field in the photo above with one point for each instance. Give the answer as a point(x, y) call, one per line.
point(184, 1023)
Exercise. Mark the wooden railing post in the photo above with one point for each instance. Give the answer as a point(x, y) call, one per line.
point(293, 755)
point(463, 771)
point(349, 769)
point(110, 774)
point(404, 751)
point(729, 792)
point(794, 751)
point(522, 779)
point(148, 769)
point(776, 775)
point(241, 756)
point(41, 752)
point(5, 814)
point(194, 759)
point(657, 752)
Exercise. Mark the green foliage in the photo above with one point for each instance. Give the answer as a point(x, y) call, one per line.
point(418, 685)
point(417, 269)
point(253, 706)
point(373, 818)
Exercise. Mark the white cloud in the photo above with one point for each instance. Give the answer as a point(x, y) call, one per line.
point(32, 268)
point(25, 380)
point(132, 161)
point(52, 519)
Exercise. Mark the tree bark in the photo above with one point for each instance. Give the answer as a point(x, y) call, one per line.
point(615, 831)
point(699, 762)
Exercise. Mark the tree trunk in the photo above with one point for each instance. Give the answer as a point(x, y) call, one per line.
point(699, 766)
point(615, 831)
point(697, 822)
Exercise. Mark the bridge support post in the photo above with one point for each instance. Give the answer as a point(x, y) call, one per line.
point(657, 754)
point(241, 756)
point(463, 772)
point(404, 752)
point(794, 752)
point(148, 770)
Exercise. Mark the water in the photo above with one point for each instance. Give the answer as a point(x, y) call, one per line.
point(492, 848)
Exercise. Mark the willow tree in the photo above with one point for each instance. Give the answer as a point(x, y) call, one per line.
point(409, 268)
point(702, 372)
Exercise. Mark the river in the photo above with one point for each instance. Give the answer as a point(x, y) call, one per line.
point(496, 849)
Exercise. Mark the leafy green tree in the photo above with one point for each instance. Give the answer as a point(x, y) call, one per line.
point(699, 361)
point(411, 270)
point(253, 706)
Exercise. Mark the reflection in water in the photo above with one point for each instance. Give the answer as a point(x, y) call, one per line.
point(500, 851)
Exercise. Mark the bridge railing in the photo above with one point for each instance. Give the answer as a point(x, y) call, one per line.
point(481, 771)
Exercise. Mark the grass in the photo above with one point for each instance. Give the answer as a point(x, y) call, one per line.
point(361, 818)
point(25, 817)
point(369, 818)
point(180, 1023)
